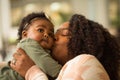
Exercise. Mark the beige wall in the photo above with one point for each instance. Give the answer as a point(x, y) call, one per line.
point(93, 9)
point(5, 21)
point(97, 12)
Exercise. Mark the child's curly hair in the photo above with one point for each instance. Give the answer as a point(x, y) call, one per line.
point(92, 38)
point(28, 19)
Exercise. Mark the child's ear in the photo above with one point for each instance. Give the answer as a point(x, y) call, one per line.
point(24, 34)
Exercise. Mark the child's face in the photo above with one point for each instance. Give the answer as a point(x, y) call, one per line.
point(42, 31)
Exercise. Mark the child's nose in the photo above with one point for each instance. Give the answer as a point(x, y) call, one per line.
point(46, 35)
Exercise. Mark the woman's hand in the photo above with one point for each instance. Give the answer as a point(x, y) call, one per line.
point(21, 62)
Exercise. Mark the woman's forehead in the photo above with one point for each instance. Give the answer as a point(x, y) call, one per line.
point(64, 25)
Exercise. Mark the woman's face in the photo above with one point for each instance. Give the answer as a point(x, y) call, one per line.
point(60, 50)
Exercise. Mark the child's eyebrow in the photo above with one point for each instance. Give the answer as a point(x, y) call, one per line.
point(41, 25)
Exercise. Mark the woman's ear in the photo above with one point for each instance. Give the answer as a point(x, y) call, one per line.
point(24, 34)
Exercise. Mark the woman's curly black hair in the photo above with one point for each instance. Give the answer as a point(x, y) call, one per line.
point(92, 38)
point(27, 20)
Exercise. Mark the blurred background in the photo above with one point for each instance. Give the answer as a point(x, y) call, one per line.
point(106, 12)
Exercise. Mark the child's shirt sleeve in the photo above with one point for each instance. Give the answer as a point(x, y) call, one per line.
point(41, 58)
point(7, 73)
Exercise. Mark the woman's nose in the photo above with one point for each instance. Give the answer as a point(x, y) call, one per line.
point(56, 37)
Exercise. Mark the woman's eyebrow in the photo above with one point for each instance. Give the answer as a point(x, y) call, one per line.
point(52, 30)
point(62, 29)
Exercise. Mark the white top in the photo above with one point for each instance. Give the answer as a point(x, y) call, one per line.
point(82, 67)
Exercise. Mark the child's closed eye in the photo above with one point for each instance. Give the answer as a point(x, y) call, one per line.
point(51, 34)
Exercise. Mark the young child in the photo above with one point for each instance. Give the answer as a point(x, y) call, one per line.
point(36, 35)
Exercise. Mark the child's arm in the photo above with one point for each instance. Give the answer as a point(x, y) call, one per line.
point(41, 58)
point(44, 60)
point(6, 73)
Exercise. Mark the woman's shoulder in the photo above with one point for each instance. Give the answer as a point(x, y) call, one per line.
point(86, 55)
point(86, 67)
point(84, 58)
point(90, 67)
point(87, 60)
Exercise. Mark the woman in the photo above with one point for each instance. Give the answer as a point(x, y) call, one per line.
point(80, 37)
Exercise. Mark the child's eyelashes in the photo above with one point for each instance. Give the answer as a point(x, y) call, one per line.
point(51, 33)
point(41, 30)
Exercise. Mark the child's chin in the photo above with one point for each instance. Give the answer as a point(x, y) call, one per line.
point(45, 46)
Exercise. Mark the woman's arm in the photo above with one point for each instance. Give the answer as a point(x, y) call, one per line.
point(35, 73)
point(26, 67)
